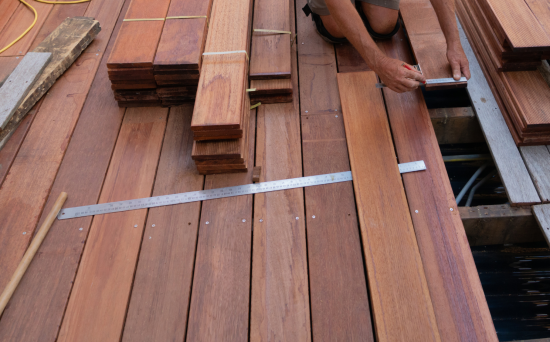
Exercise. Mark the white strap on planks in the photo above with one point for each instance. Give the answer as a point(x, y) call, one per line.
point(203, 195)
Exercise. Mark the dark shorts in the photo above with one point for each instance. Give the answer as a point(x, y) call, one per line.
point(320, 7)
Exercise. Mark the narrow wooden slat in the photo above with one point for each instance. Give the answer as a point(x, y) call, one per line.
point(542, 215)
point(20, 82)
point(512, 170)
point(458, 299)
point(162, 285)
point(427, 41)
point(270, 52)
point(401, 303)
point(99, 299)
point(537, 160)
point(338, 289)
point(7, 8)
point(221, 281)
point(33, 171)
point(21, 19)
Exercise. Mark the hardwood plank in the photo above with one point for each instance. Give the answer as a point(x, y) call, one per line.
point(162, 285)
point(270, 52)
point(21, 19)
point(33, 171)
point(221, 282)
point(7, 8)
point(499, 224)
point(338, 289)
point(541, 11)
point(97, 313)
point(349, 60)
point(458, 299)
point(456, 125)
point(427, 40)
point(400, 300)
point(7, 65)
point(20, 82)
point(542, 214)
point(537, 160)
point(512, 170)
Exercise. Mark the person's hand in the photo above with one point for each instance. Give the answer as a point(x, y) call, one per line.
point(397, 77)
point(458, 61)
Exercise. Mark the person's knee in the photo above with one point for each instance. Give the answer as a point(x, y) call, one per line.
point(331, 26)
point(381, 19)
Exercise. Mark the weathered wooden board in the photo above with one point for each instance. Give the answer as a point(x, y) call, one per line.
point(270, 51)
point(221, 281)
point(458, 299)
point(20, 82)
point(537, 160)
point(512, 170)
point(338, 289)
point(97, 306)
point(160, 296)
point(542, 214)
point(66, 44)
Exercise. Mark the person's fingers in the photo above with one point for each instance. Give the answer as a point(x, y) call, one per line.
point(410, 84)
point(455, 66)
point(415, 75)
point(466, 70)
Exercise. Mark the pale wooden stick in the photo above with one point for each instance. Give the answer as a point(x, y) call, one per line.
point(31, 251)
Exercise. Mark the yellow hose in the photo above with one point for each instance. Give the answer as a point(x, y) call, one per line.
point(36, 17)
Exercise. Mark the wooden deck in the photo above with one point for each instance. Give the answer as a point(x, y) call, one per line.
point(287, 265)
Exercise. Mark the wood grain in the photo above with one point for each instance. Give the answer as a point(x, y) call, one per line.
point(542, 215)
point(512, 170)
point(99, 299)
point(537, 160)
point(270, 52)
point(20, 82)
point(7, 8)
point(162, 285)
point(458, 299)
point(400, 300)
point(221, 282)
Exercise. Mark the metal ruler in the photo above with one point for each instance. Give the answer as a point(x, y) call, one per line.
point(432, 81)
point(203, 195)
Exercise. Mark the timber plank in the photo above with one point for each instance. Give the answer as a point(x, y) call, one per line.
point(270, 52)
point(49, 279)
point(338, 289)
point(7, 8)
point(537, 160)
point(512, 170)
point(427, 40)
point(97, 313)
point(458, 299)
point(221, 282)
point(400, 300)
point(456, 125)
point(20, 82)
point(21, 19)
point(7, 65)
point(160, 295)
point(542, 215)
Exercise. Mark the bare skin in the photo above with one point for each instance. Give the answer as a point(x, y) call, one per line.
point(344, 21)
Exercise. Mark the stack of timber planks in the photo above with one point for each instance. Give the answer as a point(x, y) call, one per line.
point(270, 66)
point(222, 107)
point(157, 55)
point(523, 96)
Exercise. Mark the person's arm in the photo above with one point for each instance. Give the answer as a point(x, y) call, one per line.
point(445, 10)
point(390, 71)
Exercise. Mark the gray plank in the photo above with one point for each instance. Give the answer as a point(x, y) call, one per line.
point(515, 177)
point(542, 215)
point(537, 160)
point(20, 82)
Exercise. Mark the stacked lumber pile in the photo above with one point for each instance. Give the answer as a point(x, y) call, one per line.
point(511, 36)
point(164, 68)
point(270, 67)
point(222, 106)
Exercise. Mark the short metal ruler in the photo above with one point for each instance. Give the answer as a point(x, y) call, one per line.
point(432, 81)
point(203, 195)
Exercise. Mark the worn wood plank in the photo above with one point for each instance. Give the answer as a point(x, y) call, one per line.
point(537, 160)
point(400, 299)
point(221, 282)
point(512, 170)
point(427, 40)
point(456, 126)
point(458, 299)
point(499, 224)
point(542, 215)
point(66, 44)
point(162, 285)
point(20, 82)
point(99, 299)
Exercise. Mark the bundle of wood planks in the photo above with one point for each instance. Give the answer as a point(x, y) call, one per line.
point(222, 107)
point(156, 59)
point(509, 29)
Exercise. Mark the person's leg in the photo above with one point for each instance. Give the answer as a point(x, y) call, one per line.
point(381, 14)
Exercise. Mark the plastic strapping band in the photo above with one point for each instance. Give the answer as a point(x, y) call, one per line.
point(145, 19)
point(226, 53)
point(272, 31)
point(249, 90)
point(256, 105)
point(187, 17)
